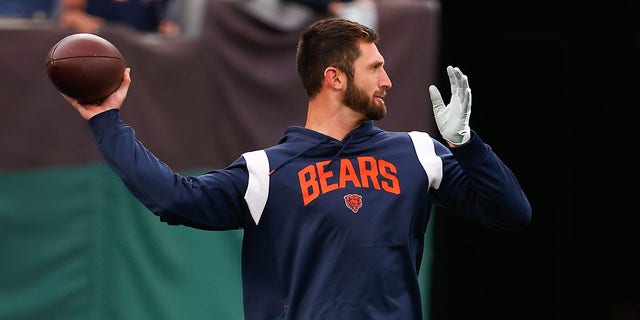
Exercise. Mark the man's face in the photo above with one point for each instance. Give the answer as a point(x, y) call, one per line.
point(365, 94)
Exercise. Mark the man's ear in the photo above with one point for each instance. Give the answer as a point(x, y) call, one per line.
point(334, 78)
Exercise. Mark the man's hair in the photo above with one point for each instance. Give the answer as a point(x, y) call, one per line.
point(331, 42)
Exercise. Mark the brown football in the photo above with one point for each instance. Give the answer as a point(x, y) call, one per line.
point(85, 67)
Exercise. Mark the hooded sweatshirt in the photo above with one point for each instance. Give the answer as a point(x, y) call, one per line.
point(331, 229)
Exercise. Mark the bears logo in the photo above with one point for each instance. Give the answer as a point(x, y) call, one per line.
point(353, 201)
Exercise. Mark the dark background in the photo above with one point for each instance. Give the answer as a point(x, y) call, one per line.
point(561, 79)
point(555, 93)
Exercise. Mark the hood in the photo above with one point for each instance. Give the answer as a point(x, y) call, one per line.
point(309, 140)
point(298, 134)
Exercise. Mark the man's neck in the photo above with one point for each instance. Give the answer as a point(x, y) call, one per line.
point(335, 121)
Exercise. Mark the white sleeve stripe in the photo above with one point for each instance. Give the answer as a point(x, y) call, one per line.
point(431, 163)
point(258, 186)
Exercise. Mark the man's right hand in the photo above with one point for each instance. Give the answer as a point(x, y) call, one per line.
point(114, 101)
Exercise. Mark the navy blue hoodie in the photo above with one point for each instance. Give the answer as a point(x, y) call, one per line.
point(332, 229)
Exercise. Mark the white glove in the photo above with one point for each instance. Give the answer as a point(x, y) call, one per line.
point(453, 119)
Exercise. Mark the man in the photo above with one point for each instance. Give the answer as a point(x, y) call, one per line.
point(334, 215)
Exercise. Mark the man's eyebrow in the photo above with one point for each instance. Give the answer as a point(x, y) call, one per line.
point(377, 63)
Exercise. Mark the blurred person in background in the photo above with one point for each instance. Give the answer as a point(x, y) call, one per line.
point(289, 15)
point(27, 9)
point(142, 15)
point(361, 11)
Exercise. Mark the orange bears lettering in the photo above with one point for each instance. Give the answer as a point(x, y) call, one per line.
point(316, 179)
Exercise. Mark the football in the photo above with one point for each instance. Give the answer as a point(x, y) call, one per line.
point(85, 67)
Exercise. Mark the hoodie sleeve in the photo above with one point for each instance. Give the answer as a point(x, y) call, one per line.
point(213, 201)
point(477, 185)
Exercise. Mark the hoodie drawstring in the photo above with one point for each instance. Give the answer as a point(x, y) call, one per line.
point(344, 145)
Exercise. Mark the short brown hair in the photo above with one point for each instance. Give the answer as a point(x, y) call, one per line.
point(329, 42)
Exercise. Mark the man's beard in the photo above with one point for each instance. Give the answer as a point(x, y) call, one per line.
point(358, 100)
